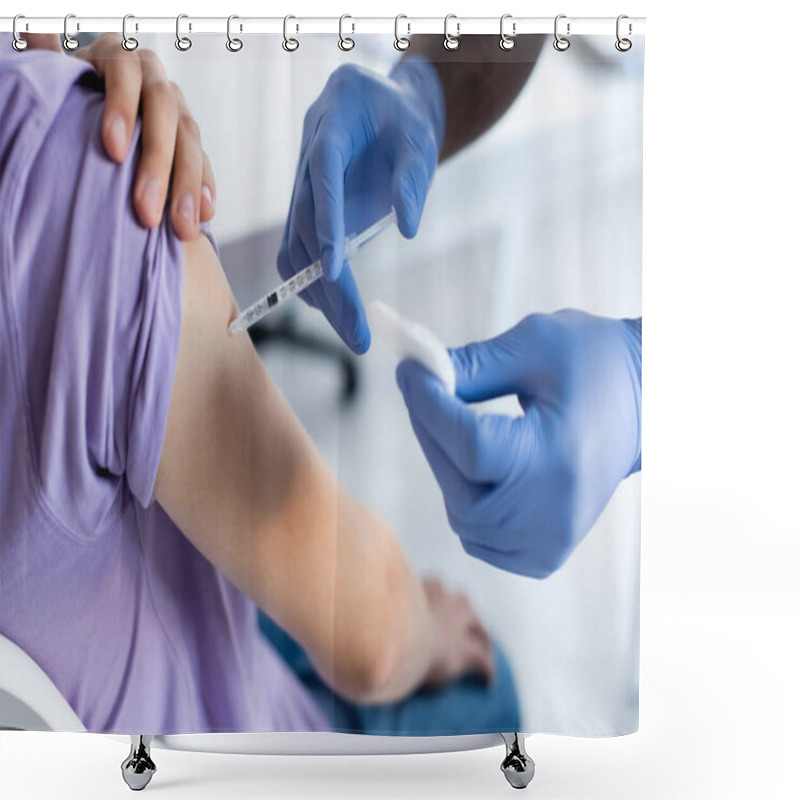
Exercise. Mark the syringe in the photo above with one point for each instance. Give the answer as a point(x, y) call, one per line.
point(304, 278)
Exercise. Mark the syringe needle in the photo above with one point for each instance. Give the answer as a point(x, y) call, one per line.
point(303, 279)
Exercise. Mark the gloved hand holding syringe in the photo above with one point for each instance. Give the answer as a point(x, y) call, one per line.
point(304, 278)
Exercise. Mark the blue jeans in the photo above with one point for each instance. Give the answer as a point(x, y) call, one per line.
point(467, 706)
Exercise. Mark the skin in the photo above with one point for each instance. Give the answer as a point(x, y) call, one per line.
point(244, 482)
point(171, 145)
point(237, 469)
point(479, 81)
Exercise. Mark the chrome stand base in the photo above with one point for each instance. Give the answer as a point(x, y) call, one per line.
point(138, 768)
point(517, 766)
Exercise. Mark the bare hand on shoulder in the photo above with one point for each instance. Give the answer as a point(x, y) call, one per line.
point(135, 81)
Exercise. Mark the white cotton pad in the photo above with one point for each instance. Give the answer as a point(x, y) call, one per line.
point(411, 340)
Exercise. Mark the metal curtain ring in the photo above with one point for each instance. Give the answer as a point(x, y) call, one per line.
point(401, 42)
point(623, 45)
point(19, 44)
point(345, 42)
point(129, 43)
point(233, 44)
point(561, 43)
point(507, 42)
point(451, 42)
point(183, 43)
point(289, 44)
point(70, 42)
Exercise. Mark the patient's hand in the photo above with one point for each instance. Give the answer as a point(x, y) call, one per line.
point(462, 643)
point(170, 136)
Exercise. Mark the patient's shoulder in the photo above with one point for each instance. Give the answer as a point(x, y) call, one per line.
point(33, 87)
point(94, 310)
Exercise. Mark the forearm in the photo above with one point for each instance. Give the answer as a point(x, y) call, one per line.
point(332, 573)
point(377, 644)
point(479, 82)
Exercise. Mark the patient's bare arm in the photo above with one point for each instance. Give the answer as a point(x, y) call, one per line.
point(244, 482)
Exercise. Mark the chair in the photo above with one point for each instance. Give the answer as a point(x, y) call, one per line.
point(30, 701)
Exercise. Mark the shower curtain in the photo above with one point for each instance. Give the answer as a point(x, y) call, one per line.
point(538, 212)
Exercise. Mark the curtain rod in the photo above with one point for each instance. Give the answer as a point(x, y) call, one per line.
point(457, 26)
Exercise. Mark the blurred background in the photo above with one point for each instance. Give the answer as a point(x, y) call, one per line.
point(543, 212)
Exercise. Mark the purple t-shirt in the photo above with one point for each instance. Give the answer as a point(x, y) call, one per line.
point(136, 628)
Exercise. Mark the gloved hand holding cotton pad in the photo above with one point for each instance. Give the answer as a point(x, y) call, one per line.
point(411, 340)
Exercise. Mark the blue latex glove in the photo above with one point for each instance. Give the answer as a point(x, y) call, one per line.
point(369, 142)
point(522, 492)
